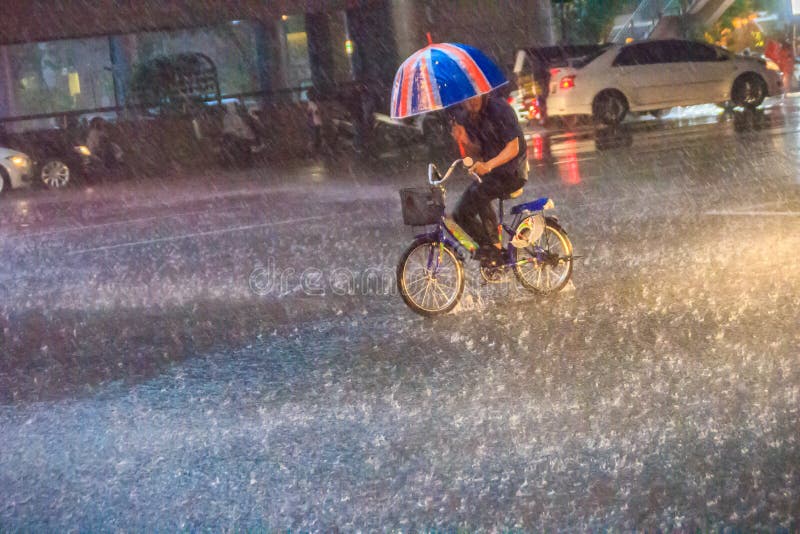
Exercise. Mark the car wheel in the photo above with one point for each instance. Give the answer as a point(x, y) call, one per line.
point(610, 107)
point(749, 90)
point(55, 174)
point(5, 181)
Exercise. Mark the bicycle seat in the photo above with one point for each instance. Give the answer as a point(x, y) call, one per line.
point(534, 205)
point(514, 194)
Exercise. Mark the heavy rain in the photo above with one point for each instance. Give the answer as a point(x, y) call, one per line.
point(231, 299)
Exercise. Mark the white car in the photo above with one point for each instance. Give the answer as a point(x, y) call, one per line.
point(16, 169)
point(650, 76)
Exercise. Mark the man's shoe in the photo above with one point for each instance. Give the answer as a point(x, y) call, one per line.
point(491, 256)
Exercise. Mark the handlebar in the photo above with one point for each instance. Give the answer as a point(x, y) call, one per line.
point(434, 172)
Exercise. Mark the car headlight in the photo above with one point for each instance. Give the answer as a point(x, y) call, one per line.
point(20, 161)
point(771, 65)
point(83, 150)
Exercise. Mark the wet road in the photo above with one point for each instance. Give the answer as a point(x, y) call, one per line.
point(227, 350)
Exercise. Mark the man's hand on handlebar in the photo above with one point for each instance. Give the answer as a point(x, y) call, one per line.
point(434, 178)
point(480, 168)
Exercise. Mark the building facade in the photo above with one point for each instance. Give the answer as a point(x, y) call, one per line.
point(60, 59)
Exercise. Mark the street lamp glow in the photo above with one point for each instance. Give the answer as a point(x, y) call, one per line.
point(348, 47)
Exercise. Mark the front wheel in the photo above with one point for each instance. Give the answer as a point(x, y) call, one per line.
point(55, 174)
point(546, 265)
point(430, 277)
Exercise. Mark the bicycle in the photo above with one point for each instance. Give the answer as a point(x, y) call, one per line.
point(430, 274)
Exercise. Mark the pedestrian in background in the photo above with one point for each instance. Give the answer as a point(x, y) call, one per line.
point(314, 121)
point(781, 53)
point(540, 69)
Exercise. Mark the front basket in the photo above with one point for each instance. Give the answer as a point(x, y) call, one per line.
point(422, 205)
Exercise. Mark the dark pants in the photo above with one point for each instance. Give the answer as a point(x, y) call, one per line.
point(316, 137)
point(474, 211)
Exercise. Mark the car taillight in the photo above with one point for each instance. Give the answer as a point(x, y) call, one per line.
point(567, 82)
point(554, 72)
point(510, 99)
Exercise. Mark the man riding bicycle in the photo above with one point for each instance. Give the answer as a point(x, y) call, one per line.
point(486, 128)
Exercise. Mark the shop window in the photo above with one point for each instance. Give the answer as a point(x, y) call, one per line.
point(58, 76)
point(298, 65)
point(230, 46)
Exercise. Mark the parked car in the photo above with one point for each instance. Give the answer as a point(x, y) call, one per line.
point(75, 150)
point(651, 76)
point(58, 157)
point(16, 169)
point(533, 69)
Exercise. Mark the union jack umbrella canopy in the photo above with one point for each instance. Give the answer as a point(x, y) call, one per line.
point(441, 75)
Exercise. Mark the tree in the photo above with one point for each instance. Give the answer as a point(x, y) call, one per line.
point(589, 21)
point(736, 30)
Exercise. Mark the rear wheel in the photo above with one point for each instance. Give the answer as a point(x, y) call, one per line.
point(610, 107)
point(749, 90)
point(546, 265)
point(430, 277)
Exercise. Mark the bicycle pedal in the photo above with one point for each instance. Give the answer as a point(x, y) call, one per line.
point(492, 275)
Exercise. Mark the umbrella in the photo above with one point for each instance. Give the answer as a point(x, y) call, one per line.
point(441, 75)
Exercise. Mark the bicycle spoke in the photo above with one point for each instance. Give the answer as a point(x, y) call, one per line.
point(558, 275)
point(416, 281)
point(434, 296)
point(422, 261)
point(445, 295)
point(425, 295)
point(446, 286)
point(415, 295)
